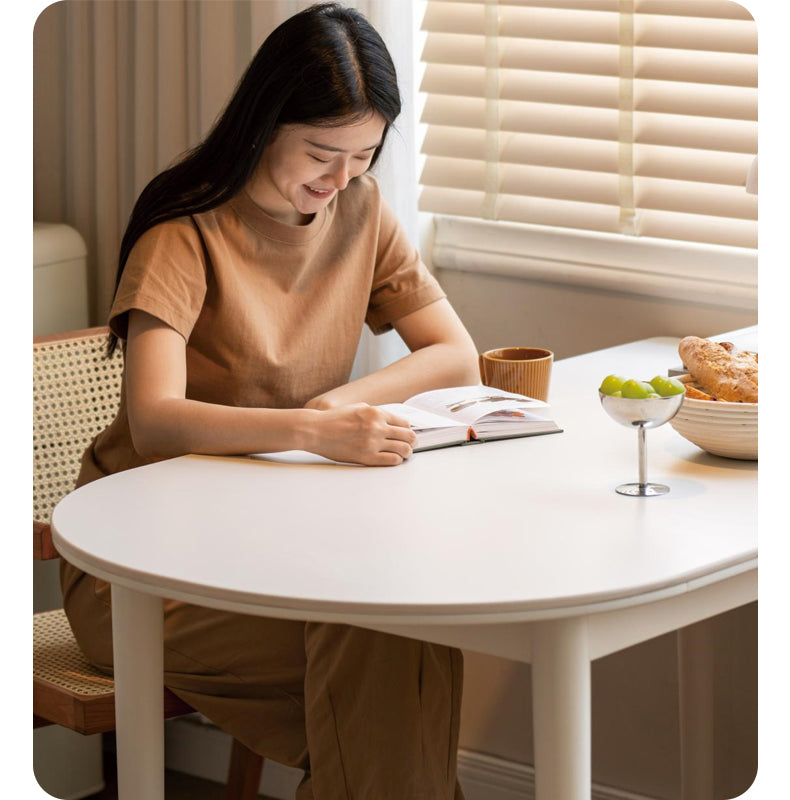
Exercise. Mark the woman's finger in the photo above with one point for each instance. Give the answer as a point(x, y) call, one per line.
point(397, 446)
point(401, 434)
point(394, 419)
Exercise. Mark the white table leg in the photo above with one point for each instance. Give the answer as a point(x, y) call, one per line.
point(695, 690)
point(137, 623)
point(561, 710)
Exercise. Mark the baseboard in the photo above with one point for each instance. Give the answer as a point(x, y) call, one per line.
point(199, 748)
point(485, 777)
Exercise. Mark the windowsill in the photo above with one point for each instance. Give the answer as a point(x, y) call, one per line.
point(705, 274)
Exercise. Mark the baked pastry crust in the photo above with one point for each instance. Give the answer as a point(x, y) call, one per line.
point(693, 389)
point(720, 370)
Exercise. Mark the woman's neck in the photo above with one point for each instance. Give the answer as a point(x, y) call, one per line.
point(281, 212)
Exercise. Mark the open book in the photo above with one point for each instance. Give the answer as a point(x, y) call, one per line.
point(463, 414)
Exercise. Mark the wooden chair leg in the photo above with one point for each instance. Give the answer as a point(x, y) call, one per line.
point(244, 773)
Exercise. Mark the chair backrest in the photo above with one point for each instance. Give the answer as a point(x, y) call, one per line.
point(76, 391)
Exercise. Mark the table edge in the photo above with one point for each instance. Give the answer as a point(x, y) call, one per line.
point(359, 613)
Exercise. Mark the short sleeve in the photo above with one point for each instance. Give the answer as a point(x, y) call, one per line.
point(401, 281)
point(165, 276)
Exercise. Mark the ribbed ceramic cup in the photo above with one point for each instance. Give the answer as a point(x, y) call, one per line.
point(524, 370)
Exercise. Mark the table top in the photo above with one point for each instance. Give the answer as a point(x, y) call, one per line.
point(501, 531)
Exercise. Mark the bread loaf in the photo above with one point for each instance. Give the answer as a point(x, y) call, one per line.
point(722, 372)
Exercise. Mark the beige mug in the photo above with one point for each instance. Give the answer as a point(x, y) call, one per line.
point(523, 370)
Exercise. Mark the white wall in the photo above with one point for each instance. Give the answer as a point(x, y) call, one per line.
point(501, 311)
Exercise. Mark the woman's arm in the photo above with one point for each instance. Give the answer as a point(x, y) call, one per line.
point(164, 423)
point(443, 354)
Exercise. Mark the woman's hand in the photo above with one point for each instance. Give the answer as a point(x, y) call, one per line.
point(361, 434)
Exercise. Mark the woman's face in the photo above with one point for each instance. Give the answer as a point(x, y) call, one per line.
point(304, 166)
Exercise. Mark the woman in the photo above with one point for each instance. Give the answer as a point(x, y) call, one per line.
point(246, 273)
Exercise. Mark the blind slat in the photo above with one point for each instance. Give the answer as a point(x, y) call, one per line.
point(533, 23)
point(563, 184)
point(690, 33)
point(703, 166)
point(582, 5)
point(697, 228)
point(537, 211)
point(733, 136)
point(657, 63)
point(469, 112)
point(596, 59)
point(717, 9)
point(533, 85)
point(696, 99)
point(578, 25)
point(524, 148)
point(725, 69)
point(659, 194)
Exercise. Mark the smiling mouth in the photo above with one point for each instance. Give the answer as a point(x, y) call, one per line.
point(318, 192)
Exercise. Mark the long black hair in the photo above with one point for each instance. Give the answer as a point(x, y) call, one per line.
point(322, 66)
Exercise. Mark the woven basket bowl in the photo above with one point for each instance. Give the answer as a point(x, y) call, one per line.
point(718, 427)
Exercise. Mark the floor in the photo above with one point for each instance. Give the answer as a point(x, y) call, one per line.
point(178, 786)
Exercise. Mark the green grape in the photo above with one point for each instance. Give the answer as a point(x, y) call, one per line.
point(648, 388)
point(673, 386)
point(658, 382)
point(636, 390)
point(667, 386)
point(611, 384)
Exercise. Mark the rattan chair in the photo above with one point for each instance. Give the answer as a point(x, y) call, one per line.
point(76, 391)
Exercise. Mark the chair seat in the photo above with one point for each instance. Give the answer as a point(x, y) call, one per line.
point(58, 660)
point(67, 688)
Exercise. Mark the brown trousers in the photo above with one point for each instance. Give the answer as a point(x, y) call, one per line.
point(368, 716)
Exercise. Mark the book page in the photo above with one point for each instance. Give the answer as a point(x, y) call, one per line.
point(468, 404)
point(506, 422)
point(420, 419)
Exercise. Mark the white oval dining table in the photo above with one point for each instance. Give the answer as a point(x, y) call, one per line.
point(518, 548)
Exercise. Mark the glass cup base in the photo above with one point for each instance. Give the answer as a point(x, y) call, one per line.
point(642, 489)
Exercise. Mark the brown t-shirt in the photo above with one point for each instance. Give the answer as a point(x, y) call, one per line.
point(271, 313)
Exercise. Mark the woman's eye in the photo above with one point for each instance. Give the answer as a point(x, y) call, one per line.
point(320, 160)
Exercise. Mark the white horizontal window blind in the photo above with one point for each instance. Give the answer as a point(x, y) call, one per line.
point(636, 117)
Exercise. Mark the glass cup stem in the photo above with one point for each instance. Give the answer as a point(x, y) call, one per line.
point(642, 456)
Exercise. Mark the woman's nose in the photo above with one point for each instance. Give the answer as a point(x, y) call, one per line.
point(339, 177)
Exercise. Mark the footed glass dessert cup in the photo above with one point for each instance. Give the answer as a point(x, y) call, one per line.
point(642, 413)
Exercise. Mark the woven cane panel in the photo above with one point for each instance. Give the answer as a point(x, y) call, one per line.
point(76, 391)
point(58, 659)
